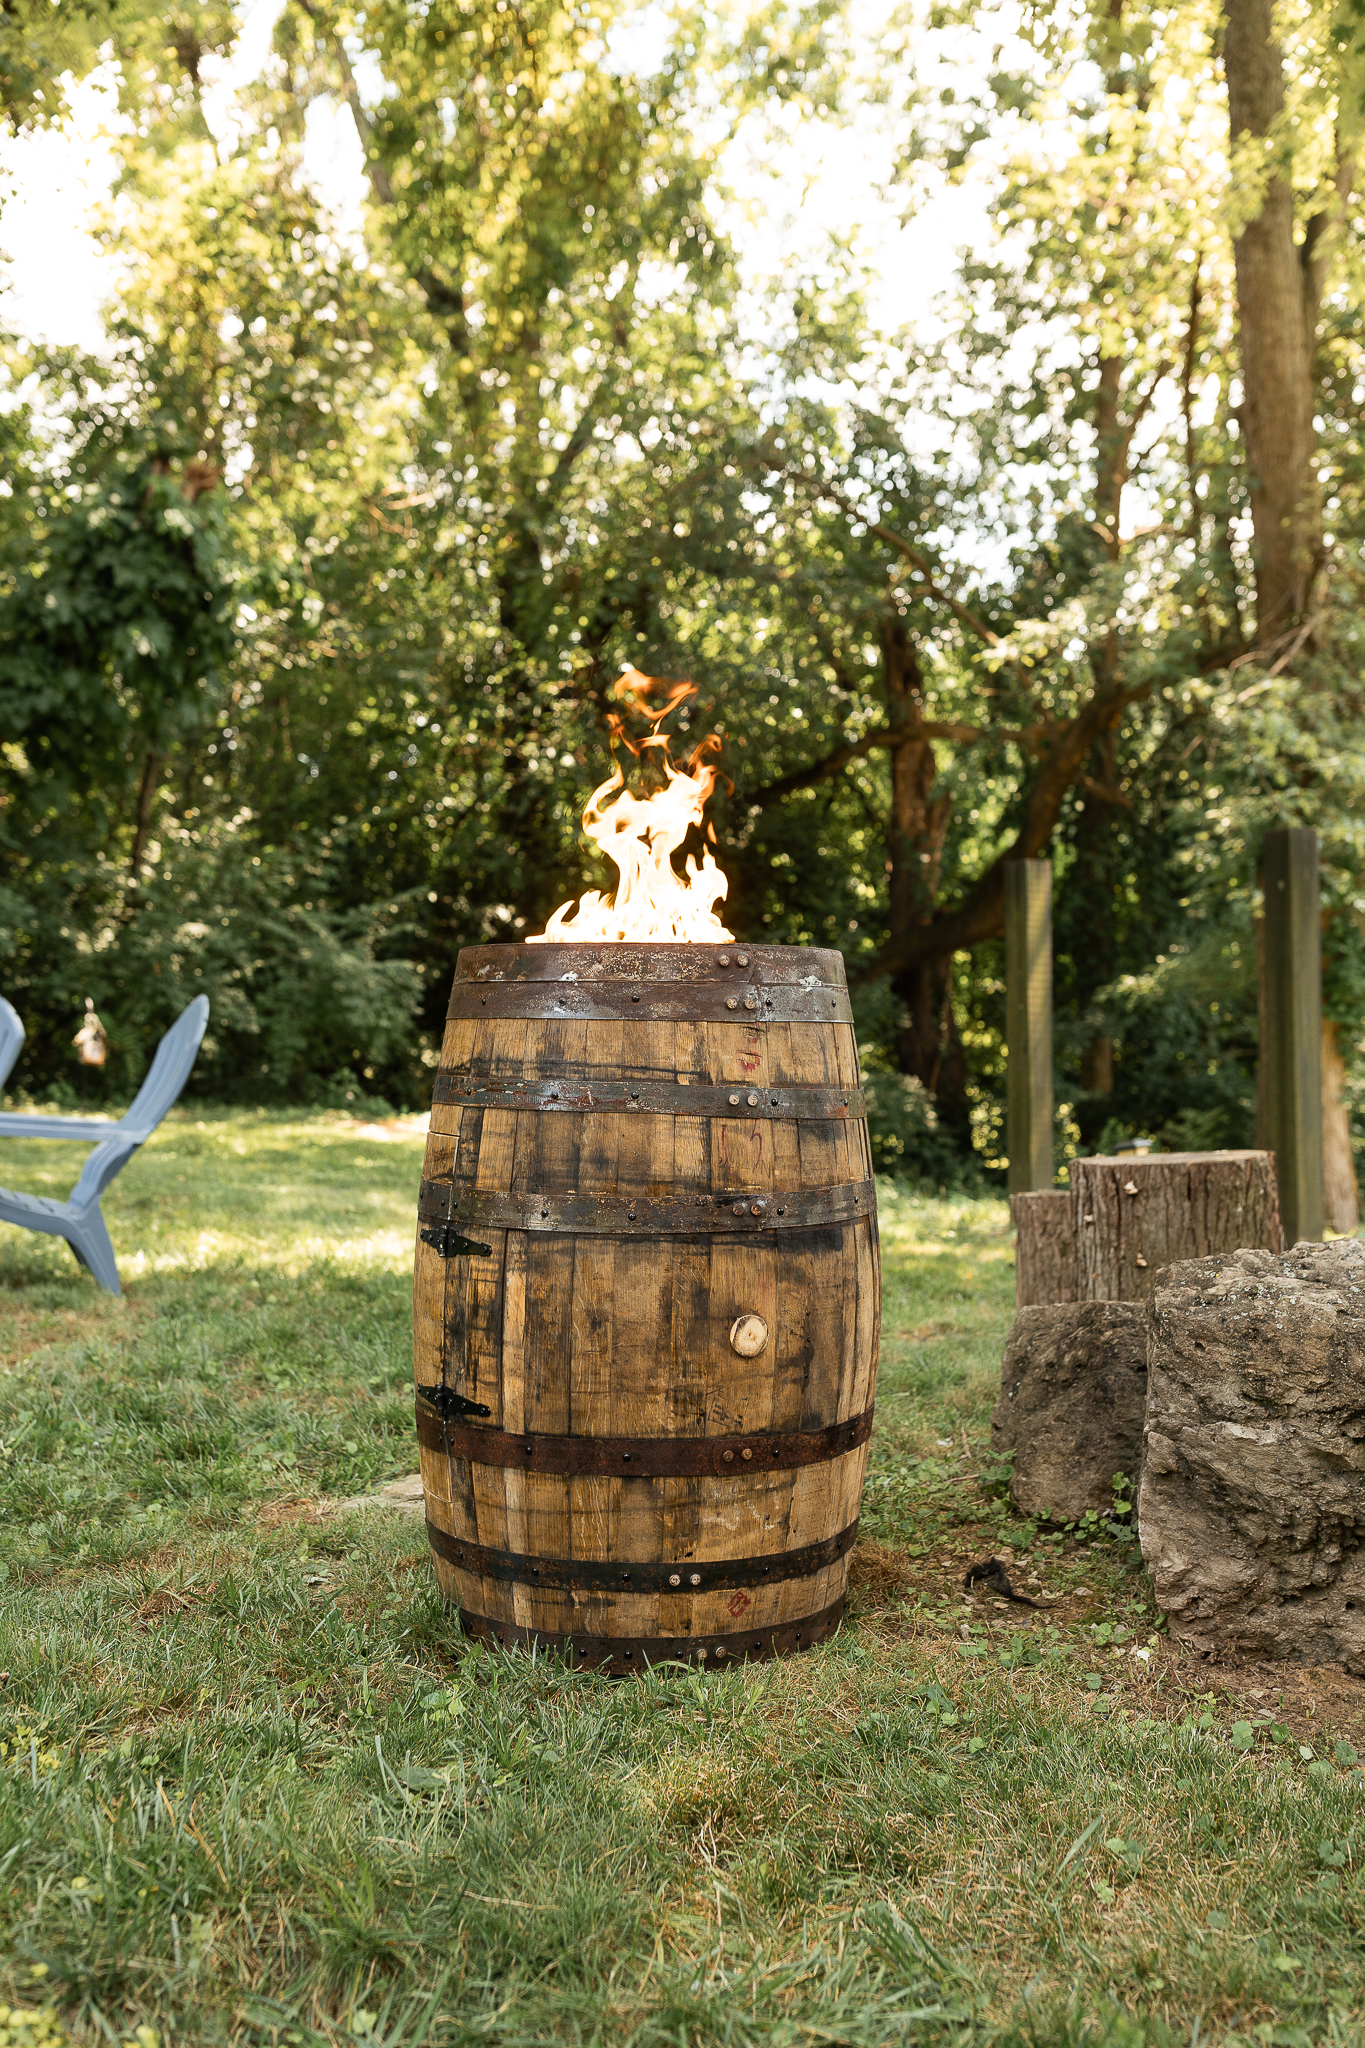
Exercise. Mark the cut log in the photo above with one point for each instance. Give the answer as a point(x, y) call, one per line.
point(1045, 1248)
point(1132, 1216)
point(1253, 1481)
point(1072, 1392)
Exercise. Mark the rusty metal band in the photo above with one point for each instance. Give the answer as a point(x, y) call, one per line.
point(651, 1002)
point(619, 1656)
point(666, 1098)
point(642, 1457)
point(663, 960)
point(604, 1575)
point(645, 1216)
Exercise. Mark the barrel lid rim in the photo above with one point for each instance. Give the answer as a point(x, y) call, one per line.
point(634, 960)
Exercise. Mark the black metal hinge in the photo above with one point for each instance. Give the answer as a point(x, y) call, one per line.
point(447, 1402)
point(446, 1239)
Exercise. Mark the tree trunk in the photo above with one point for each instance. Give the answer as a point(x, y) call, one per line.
point(1045, 1248)
point(928, 1044)
point(142, 828)
point(1134, 1216)
point(927, 1041)
point(1340, 1196)
point(1276, 312)
point(1097, 1067)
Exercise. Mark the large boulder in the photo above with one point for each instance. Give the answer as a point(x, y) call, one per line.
point(1072, 1391)
point(1252, 1504)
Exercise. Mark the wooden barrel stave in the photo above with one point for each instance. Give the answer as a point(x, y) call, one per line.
point(597, 1152)
point(637, 1524)
point(614, 1309)
point(823, 1368)
point(605, 1304)
point(744, 1055)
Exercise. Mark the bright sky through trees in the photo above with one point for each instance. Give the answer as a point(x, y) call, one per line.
point(967, 398)
point(790, 188)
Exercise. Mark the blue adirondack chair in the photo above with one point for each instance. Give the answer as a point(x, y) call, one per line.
point(79, 1220)
point(11, 1038)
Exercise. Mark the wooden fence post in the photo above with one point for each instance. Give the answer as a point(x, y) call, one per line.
point(1028, 1023)
point(1291, 1045)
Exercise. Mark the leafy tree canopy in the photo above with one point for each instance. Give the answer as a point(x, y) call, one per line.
point(331, 561)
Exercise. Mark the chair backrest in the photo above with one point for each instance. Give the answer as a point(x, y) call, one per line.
point(170, 1070)
point(11, 1038)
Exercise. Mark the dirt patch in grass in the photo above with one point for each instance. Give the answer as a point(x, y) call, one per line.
point(1316, 1703)
point(1146, 1673)
point(31, 1331)
point(295, 1512)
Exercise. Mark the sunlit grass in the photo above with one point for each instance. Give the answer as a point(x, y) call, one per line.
point(255, 1789)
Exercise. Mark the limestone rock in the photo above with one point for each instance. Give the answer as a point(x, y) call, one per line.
point(1072, 1391)
point(1252, 1504)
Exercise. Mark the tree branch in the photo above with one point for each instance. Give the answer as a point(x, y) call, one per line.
point(981, 915)
point(445, 301)
point(1030, 739)
point(964, 615)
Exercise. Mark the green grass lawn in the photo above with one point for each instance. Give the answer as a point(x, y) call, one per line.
point(255, 1789)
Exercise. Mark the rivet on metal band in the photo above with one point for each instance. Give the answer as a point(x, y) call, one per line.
point(604, 1575)
point(619, 1656)
point(644, 1457)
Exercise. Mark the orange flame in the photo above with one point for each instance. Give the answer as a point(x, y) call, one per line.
point(641, 835)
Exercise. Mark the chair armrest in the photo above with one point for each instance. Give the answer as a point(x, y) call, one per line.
point(86, 1130)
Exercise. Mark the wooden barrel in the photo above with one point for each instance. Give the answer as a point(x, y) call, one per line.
point(646, 1300)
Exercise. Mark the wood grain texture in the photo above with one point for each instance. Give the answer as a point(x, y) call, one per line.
point(562, 1332)
point(1045, 1248)
point(1133, 1216)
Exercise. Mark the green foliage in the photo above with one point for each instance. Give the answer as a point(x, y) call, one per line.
point(115, 641)
point(907, 1141)
point(301, 1008)
point(1186, 1032)
point(532, 432)
point(44, 43)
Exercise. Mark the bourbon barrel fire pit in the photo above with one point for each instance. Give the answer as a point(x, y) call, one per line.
point(646, 1303)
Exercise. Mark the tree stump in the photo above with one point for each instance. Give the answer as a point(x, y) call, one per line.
point(1045, 1248)
point(1133, 1216)
point(1071, 1388)
point(1252, 1501)
point(1072, 1394)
